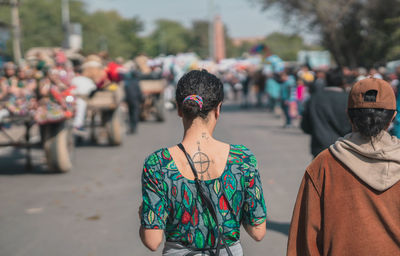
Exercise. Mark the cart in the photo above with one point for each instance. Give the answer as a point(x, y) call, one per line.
point(56, 141)
point(104, 111)
point(153, 104)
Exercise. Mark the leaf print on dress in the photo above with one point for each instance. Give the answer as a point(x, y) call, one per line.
point(217, 186)
point(231, 223)
point(186, 218)
point(234, 159)
point(245, 166)
point(211, 239)
point(236, 151)
point(257, 193)
point(233, 234)
point(152, 160)
point(190, 238)
point(187, 196)
point(253, 161)
point(165, 187)
point(173, 191)
point(229, 184)
point(237, 201)
point(199, 239)
point(223, 205)
point(178, 211)
point(171, 165)
point(195, 217)
point(166, 155)
point(150, 216)
point(204, 215)
point(160, 209)
point(176, 176)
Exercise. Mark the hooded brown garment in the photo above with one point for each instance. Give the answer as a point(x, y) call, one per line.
point(349, 200)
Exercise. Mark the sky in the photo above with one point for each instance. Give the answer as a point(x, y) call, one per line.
point(242, 17)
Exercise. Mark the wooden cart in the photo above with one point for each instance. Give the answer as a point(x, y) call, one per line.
point(56, 141)
point(153, 105)
point(104, 111)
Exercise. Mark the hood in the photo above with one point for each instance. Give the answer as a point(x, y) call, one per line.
point(376, 161)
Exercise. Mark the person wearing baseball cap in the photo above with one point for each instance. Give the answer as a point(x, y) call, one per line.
point(348, 202)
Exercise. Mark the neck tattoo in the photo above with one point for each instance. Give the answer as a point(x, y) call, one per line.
point(202, 162)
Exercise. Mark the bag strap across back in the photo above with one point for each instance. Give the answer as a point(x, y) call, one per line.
point(207, 202)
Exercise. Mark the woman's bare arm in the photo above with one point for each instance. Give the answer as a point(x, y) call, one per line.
point(151, 238)
point(256, 232)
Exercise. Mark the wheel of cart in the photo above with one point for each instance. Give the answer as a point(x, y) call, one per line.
point(104, 109)
point(153, 105)
point(58, 145)
point(24, 141)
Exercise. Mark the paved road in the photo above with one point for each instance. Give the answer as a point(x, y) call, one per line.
point(92, 211)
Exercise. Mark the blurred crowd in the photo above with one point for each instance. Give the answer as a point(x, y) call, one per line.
point(41, 85)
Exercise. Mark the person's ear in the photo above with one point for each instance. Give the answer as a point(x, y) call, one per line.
point(218, 111)
point(394, 115)
point(180, 113)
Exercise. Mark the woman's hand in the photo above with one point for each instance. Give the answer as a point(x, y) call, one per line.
point(256, 232)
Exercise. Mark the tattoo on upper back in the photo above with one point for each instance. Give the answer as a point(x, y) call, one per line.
point(202, 162)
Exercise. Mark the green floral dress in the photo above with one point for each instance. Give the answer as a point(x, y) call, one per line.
point(171, 202)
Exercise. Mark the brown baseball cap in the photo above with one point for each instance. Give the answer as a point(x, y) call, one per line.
point(385, 98)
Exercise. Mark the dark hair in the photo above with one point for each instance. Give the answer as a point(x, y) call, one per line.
point(335, 78)
point(370, 121)
point(201, 83)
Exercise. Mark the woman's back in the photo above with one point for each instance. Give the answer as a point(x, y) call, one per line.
point(209, 157)
point(199, 192)
point(171, 199)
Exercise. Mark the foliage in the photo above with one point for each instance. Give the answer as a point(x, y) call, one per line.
point(108, 31)
point(357, 32)
point(285, 46)
point(200, 38)
point(103, 30)
point(169, 37)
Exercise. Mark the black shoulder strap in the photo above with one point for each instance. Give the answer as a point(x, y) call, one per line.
point(207, 203)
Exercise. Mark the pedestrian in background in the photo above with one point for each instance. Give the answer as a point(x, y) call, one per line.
point(259, 81)
point(199, 192)
point(348, 203)
point(300, 96)
point(324, 116)
point(319, 82)
point(287, 85)
point(273, 89)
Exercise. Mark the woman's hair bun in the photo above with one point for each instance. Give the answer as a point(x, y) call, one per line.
point(190, 108)
point(198, 86)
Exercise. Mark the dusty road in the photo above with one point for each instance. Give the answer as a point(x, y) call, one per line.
point(92, 211)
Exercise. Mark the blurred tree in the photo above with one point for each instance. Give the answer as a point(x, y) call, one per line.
point(394, 52)
point(41, 26)
point(108, 31)
point(40, 23)
point(199, 38)
point(357, 32)
point(169, 37)
point(286, 46)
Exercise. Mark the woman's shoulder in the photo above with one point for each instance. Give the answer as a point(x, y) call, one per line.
point(240, 151)
point(240, 148)
point(157, 157)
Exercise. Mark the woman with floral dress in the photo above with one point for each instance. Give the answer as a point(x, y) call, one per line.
point(173, 189)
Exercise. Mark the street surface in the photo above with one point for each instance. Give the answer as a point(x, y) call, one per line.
point(93, 210)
